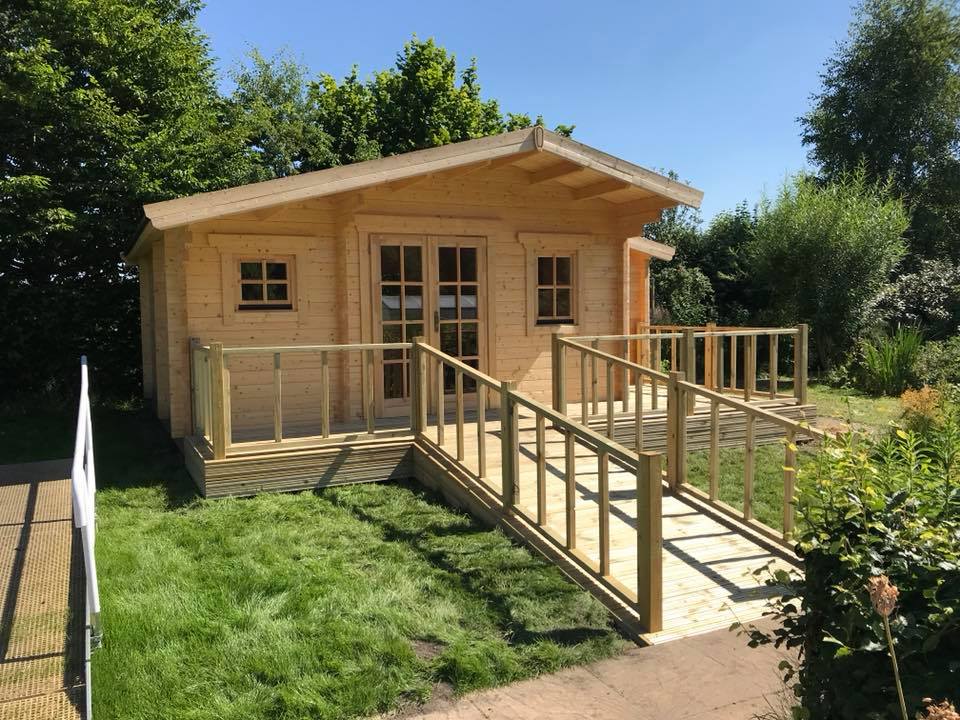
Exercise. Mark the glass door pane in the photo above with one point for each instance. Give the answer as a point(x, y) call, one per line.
point(457, 317)
point(401, 311)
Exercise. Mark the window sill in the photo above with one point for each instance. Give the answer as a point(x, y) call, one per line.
point(550, 329)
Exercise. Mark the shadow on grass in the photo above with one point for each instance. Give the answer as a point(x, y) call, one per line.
point(132, 449)
point(486, 565)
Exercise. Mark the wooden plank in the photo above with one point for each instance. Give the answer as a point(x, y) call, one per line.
point(593, 378)
point(749, 367)
point(611, 405)
point(481, 430)
point(604, 187)
point(638, 413)
point(441, 420)
point(774, 361)
point(584, 397)
point(733, 362)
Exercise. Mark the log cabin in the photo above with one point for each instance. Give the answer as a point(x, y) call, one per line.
point(474, 316)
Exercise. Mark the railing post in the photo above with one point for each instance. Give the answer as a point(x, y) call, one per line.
point(509, 445)
point(800, 359)
point(709, 357)
point(418, 383)
point(676, 431)
point(689, 366)
point(558, 372)
point(649, 542)
point(220, 401)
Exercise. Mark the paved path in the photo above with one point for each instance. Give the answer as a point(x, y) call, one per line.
point(713, 676)
point(41, 578)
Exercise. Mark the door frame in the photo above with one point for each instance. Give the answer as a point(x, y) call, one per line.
point(430, 242)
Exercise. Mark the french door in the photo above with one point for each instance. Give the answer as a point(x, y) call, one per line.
point(429, 286)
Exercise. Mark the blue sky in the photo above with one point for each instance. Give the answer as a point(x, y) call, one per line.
point(709, 89)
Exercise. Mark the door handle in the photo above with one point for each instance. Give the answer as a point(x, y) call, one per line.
point(436, 321)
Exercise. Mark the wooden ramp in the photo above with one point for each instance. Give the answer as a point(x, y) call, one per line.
point(708, 560)
point(42, 632)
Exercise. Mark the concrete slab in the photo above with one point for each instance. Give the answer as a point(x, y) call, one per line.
point(714, 675)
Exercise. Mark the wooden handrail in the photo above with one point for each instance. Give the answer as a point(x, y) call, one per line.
point(274, 349)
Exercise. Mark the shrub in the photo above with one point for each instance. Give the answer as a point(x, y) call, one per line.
point(928, 296)
point(922, 409)
point(865, 508)
point(939, 362)
point(887, 365)
point(823, 254)
point(685, 294)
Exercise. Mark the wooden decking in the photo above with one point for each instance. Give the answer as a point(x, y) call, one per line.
point(708, 561)
point(42, 635)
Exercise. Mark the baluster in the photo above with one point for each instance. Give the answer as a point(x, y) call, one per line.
point(570, 489)
point(593, 378)
point(481, 430)
point(541, 472)
point(603, 482)
point(324, 393)
point(277, 400)
point(789, 482)
point(626, 376)
point(714, 450)
point(774, 360)
point(748, 463)
point(441, 414)
point(458, 379)
point(611, 403)
point(638, 412)
point(584, 399)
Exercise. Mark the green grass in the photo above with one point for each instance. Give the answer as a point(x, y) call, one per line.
point(335, 604)
point(854, 407)
point(845, 406)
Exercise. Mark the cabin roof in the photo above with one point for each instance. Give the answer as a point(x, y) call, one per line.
point(589, 173)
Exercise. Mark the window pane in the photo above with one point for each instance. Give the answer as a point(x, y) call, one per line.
point(448, 338)
point(545, 303)
point(468, 340)
point(250, 271)
point(563, 304)
point(390, 262)
point(393, 381)
point(563, 270)
point(468, 302)
point(277, 291)
point(412, 264)
point(469, 384)
point(250, 291)
point(448, 302)
point(545, 270)
point(390, 302)
point(468, 264)
point(414, 330)
point(448, 264)
point(276, 271)
point(413, 303)
point(392, 334)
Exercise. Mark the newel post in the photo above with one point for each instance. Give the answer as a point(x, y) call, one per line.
point(800, 361)
point(650, 541)
point(676, 430)
point(558, 372)
point(221, 400)
point(509, 445)
point(418, 386)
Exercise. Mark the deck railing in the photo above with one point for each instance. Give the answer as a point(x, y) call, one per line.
point(726, 359)
point(429, 367)
point(83, 483)
point(211, 394)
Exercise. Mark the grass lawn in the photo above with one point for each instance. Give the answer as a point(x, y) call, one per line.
point(848, 406)
point(335, 604)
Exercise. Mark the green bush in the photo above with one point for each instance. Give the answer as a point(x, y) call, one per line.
point(939, 362)
point(887, 365)
point(866, 508)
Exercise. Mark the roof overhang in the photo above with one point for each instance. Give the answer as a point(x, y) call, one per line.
point(651, 248)
point(492, 150)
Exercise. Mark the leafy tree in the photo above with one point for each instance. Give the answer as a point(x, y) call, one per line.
point(684, 295)
point(823, 254)
point(928, 297)
point(103, 106)
point(278, 116)
point(891, 102)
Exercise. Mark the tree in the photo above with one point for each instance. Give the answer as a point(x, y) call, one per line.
point(103, 106)
point(891, 103)
point(822, 254)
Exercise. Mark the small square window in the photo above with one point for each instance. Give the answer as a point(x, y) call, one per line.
point(555, 290)
point(265, 284)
